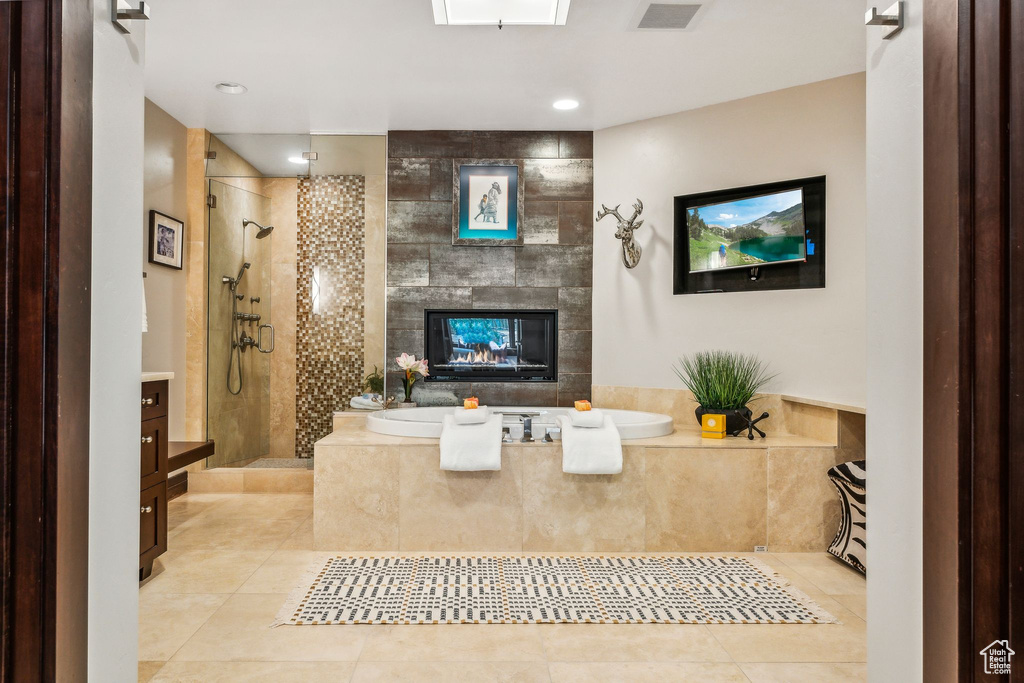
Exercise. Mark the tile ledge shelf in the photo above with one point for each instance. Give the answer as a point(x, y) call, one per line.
point(843, 407)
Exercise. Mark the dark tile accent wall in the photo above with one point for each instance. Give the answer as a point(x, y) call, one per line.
point(552, 270)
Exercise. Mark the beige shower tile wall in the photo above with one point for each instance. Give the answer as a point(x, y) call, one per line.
point(283, 194)
point(195, 286)
point(375, 273)
point(329, 344)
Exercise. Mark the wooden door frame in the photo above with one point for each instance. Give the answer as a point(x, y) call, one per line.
point(46, 238)
point(973, 334)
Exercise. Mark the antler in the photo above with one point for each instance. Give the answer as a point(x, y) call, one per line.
point(637, 210)
point(605, 211)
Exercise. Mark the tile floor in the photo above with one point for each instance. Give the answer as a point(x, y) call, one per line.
point(233, 559)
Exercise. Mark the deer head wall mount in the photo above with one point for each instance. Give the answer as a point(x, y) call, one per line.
point(631, 250)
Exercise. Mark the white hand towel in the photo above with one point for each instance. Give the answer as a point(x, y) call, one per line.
point(471, 448)
point(586, 418)
point(471, 417)
point(588, 450)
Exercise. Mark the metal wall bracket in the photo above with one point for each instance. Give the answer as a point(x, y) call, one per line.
point(121, 12)
point(211, 201)
point(311, 156)
point(891, 17)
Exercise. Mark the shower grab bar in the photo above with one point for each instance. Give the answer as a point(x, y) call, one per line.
point(259, 339)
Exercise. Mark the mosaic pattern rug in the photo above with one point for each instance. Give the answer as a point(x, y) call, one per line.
point(680, 589)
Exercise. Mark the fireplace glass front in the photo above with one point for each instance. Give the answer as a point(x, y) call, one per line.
point(492, 346)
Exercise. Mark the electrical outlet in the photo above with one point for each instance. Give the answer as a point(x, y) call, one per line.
point(760, 548)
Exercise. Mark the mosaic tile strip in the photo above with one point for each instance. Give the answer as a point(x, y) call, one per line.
point(329, 345)
point(538, 590)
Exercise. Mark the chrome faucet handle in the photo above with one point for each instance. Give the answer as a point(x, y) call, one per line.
point(506, 435)
point(527, 430)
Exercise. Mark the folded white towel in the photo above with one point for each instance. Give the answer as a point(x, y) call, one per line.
point(471, 417)
point(470, 448)
point(586, 418)
point(588, 450)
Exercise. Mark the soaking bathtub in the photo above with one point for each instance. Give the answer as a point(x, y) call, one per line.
point(426, 422)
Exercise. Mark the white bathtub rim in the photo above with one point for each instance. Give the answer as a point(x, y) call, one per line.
point(632, 424)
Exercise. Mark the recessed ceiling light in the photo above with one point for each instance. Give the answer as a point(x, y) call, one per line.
point(231, 88)
point(508, 12)
point(566, 104)
point(298, 160)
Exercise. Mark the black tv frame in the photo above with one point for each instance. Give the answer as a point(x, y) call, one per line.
point(809, 274)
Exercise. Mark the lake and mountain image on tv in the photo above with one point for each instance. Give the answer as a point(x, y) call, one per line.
point(748, 232)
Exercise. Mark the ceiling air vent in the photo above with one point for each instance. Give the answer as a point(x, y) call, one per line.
point(665, 16)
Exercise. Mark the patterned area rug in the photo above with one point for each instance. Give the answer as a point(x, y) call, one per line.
point(681, 589)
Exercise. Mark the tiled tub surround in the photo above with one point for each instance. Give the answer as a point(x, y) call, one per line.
point(675, 493)
point(553, 270)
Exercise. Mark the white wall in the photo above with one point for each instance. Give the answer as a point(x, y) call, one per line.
point(116, 349)
point(813, 338)
point(895, 322)
point(163, 346)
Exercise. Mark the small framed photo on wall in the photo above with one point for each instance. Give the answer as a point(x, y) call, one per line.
point(487, 202)
point(166, 239)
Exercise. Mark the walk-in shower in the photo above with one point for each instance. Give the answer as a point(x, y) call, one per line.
point(240, 332)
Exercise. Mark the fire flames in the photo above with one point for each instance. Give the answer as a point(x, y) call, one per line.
point(481, 357)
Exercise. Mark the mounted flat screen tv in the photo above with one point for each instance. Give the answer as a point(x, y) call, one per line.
point(749, 239)
point(748, 232)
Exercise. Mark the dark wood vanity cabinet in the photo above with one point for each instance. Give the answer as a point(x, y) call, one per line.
point(153, 482)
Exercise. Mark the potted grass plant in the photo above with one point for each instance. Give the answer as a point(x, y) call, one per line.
point(723, 382)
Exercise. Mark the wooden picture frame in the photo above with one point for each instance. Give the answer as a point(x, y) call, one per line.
point(166, 240)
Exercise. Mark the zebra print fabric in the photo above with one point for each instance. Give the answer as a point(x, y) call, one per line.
point(850, 543)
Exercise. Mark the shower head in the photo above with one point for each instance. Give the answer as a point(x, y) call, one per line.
point(263, 232)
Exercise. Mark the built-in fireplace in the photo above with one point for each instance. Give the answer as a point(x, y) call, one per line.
point(492, 346)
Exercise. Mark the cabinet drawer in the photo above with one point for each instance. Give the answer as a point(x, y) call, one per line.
point(154, 399)
point(152, 523)
point(153, 452)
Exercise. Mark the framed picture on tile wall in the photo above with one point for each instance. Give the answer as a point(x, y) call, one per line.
point(487, 202)
point(166, 238)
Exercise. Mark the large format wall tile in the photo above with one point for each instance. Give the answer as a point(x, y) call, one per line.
point(452, 266)
point(555, 266)
point(356, 494)
point(424, 179)
point(419, 222)
point(574, 512)
point(443, 510)
point(700, 500)
point(430, 143)
point(559, 179)
point(553, 270)
point(803, 505)
point(406, 304)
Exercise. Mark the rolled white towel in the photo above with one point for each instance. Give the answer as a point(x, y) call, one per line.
point(360, 403)
point(589, 450)
point(591, 419)
point(471, 417)
point(471, 448)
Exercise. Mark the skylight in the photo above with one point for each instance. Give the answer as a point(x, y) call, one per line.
point(508, 12)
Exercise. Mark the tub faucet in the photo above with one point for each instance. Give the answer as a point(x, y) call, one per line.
point(527, 429)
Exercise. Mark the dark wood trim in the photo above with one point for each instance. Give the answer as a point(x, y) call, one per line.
point(177, 485)
point(974, 333)
point(184, 453)
point(46, 48)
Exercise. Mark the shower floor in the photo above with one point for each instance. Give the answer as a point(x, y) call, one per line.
point(295, 463)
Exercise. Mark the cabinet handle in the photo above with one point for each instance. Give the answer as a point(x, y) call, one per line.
point(147, 439)
point(146, 510)
point(147, 401)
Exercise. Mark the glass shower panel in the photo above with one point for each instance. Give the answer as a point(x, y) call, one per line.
point(240, 336)
point(244, 155)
